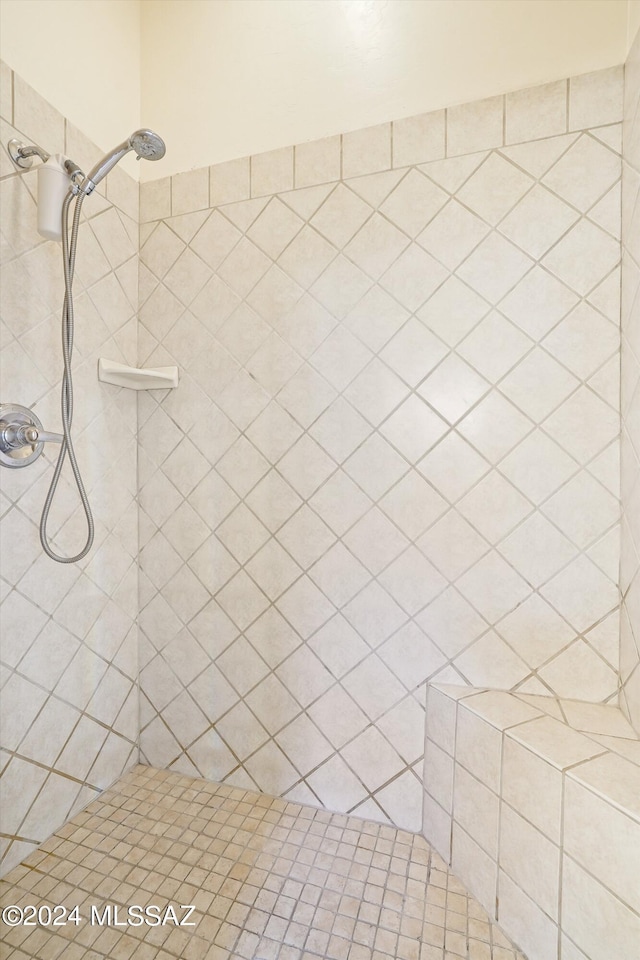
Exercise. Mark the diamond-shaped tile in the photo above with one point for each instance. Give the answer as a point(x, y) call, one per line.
point(453, 388)
point(341, 215)
point(215, 239)
point(375, 541)
point(273, 364)
point(303, 744)
point(453, 234)
point(339, 646)
point(243, 333)
point(453, 311)
point(494, 346)
point(494, 188)
point(538, 221)
point(581, 593)
point(583, 341)
point(242, 600)
point(305, 326)
point(376, 245)
point(273, 500)
point(376, 391)
point(413, 352)
point(187, 277)
point(273, 569)
point(244, 266)
point(304, 676)
point(241, 731)
point(490, 657)
point(340, 502)
point(337, 716)
point(413, 505)
point(452, 545)
point(537, 550)
point(306, 466)
point(340, 287)
point(494, 427)
point(275, 228)
point(242, 466)
point(493, 587)
point(374, 614)
point(375, 466)
point(494, 507)
point(494, 268)
point(339, 575)
point(306, 395)
point(583, 257)
point(213, 564)
point(340, 430)
point(242, 533)
point(413, 277)
point(376, 318)
point(451, 622)
point(307, 256)
point(538, 466)
point(535, 631)
point(413, 203)
point(273, 637)
point(340, 358)
point(273, 432)
point(414, 428)
point(306, 537)
point(274, 295)
point(372, 758)
point(412, 580)
point(584, 173)
point(538, 302)
point(582, 509)
point(453, 466)
point(411, 655)
point(583, 425)
point(373, 687)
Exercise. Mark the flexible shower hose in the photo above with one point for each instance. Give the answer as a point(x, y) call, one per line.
point(66, 397)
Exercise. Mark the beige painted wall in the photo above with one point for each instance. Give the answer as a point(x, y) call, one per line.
point(83, 56)
point(228, 78)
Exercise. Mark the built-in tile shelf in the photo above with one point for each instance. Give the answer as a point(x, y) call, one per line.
point(137, 378)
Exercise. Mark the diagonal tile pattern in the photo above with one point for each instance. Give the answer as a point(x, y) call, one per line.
point(421, 402)
point(69, 644)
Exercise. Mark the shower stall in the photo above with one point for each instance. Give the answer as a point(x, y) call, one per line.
point(349, 660)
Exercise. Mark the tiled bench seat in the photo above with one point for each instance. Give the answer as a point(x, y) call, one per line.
point(535, 803)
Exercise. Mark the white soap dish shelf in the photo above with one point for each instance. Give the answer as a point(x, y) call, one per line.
point(137, 378)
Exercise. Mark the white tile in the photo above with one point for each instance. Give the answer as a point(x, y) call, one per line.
point(229, 182)
point(317, 161)
point(595, 98)
point(272, 172)
point(525, 922)
point(451, 622)
point(536, 112)
point(366, 151)
point(531, 860)
point(306, 609)
point(478, 869)
point(494, 189)
point(418, 139)
point(533, 788)
point(555, 742)
point(475, 126)
point(596, 920)
point(479, 748)
point(452, 234)
point(190, 191)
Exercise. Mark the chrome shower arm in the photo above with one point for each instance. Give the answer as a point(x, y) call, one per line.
point(22, 154)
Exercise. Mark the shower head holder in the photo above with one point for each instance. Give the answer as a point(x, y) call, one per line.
point(22, 154)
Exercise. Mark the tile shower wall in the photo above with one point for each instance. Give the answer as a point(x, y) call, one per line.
point(393, 455)
point(68, 698)
point(630, 553)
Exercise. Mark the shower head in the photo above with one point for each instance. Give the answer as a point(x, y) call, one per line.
point(145, 143)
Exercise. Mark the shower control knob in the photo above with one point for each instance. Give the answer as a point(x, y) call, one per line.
point(22, 438)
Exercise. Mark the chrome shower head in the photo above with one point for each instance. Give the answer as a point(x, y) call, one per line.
point(145, 143)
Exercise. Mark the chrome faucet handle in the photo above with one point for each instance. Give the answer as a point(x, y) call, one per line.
point(22, 437)
point(33, 434)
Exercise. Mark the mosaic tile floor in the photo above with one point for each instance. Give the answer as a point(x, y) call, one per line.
point(270, 880)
